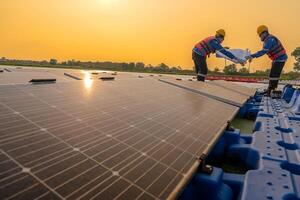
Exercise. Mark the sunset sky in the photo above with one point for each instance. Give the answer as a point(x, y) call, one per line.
point(152, 31)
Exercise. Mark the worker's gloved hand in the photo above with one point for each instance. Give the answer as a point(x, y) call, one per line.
point(249, 58)
point(240, 61)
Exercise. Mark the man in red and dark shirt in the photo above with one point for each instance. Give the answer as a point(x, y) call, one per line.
point(208, 46)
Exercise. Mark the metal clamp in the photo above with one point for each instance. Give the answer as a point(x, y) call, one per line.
point(229, 127)
point(204, 168)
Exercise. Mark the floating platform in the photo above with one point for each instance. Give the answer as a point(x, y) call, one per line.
point(271, 155)
point(142, 138)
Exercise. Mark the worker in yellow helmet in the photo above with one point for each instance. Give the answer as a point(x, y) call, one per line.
point(204, 48)
point(276, 52)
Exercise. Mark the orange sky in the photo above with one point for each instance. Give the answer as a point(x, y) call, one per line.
point(152, 31)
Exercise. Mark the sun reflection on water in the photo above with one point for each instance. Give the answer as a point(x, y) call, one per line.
point(88, 81)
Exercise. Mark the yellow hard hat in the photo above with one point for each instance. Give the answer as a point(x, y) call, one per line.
point(262, 29)
point(221, 32)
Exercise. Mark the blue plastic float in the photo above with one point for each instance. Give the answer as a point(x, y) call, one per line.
point(271, 155)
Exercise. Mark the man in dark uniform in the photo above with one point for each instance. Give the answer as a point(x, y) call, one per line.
point(276, 52)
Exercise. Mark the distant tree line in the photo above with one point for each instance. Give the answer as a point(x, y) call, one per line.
point(230, 69)
point(113, 66)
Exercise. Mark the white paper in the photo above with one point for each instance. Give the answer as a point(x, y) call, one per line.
point(239, 53)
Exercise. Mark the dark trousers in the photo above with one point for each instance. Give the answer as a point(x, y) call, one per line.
point(275, 74)
point(200, 66)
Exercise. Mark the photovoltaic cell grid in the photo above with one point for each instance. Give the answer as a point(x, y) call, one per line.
point(211, 90)
point(133, 139)
point(96, 75)
point(234, 87)
point(24, 75)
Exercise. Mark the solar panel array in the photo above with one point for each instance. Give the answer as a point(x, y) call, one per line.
point(25, 77)
point(19, 75)
point(212, 90)
point(94, 75)
point(227, 85)
point(22, 75)
point(126, 139)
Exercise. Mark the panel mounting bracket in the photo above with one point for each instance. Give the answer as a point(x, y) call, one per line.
point(204, 168)
point(229, 127)
point(47, 80)
point(107, 78)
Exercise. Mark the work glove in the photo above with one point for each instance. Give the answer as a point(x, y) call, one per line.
point(249, 58)
point(240, 61)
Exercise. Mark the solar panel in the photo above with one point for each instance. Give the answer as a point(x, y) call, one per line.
point(28, 69)
point(126, 139)
point(107, 78)
point(83, 75)
point(210, 90)
point(8, 70)
point(72, 76)
point(124, 75)
point(78, 75)
point(25, 77)
point(234, 87)
point(42, 81)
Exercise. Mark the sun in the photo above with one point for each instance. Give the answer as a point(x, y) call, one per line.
point(111, 4)
point(107, 2)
